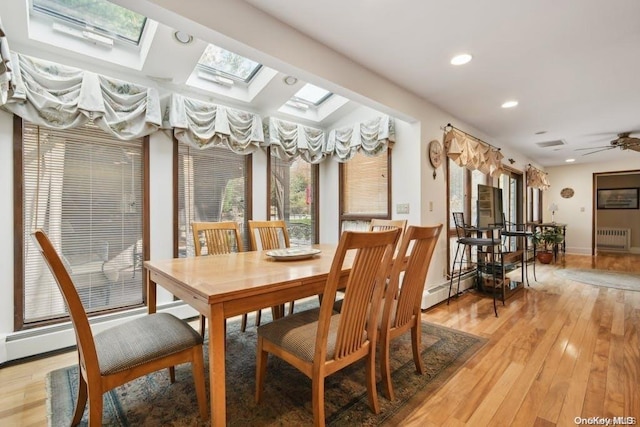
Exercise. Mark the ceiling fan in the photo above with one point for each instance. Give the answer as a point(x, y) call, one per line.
point(624, 141)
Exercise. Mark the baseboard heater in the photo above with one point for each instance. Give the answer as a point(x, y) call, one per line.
point(612, 238)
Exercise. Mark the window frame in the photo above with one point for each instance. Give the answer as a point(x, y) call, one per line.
point(315, 211)
point(343, 217)
point(248, 197)
point(19, 243)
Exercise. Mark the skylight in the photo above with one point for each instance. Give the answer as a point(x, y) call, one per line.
point(95, 16)
point(226, 65)
point(311, 95)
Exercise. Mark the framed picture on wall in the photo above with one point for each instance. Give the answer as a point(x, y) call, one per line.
point(618, 198)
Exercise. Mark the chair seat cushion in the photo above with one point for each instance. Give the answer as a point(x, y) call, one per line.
point(141, 340)
point(297, 333)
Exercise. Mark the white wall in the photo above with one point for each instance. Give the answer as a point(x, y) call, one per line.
point(577, 211)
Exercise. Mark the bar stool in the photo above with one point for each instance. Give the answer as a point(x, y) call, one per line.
point(484, 246)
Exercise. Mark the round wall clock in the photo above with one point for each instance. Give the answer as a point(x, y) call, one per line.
point(435, 153)
point(567, 193)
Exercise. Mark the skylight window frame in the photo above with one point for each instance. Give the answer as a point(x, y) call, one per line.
point(309, 103)
point(216, 72)
point(55, 16)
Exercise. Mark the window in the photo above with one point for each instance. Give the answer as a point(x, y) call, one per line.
point(365, 190)
point(212, 185)
point(534, 204)
point(95, 17)
point(293, 187)
point(463, 197)
point(309, 96)
point(85, 188)
point(225, 67)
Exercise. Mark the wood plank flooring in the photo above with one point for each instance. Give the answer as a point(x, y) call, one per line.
point(558, 350)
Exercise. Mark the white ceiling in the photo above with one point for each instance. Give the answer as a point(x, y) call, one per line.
point(573, 65)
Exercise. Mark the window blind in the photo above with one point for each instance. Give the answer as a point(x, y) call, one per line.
point(213, 185)
point(85, 189)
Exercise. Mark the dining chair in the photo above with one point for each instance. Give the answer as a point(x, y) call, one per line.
point(217, 238)
point(122, 353)
point(267, 235)
point(403, 297)
point(320, 342)
point(387, 224)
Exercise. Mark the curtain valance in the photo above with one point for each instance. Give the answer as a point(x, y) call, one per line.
point(369, 137)
point(203, 124)
point(6, 84)
point(468, 152)
point(537, 178)
point(61, 97)
point(290, 140)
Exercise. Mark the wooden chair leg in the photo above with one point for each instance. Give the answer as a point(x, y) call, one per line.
point(416, 334)
point(203, 325)
point(261, 369)
point(372, 392)
point(258, 317)
point(243, 325)
point(95, 407)
point(172, 374)
point(385, 369)
point(291, 304)
point(197, 368)
point(317, 393)
point(81, 401)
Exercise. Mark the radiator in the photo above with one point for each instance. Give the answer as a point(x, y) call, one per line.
point(613, 238)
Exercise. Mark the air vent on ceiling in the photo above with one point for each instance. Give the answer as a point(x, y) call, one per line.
point(546, 144)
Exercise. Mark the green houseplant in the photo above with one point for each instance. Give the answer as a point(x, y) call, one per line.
point(545, 240)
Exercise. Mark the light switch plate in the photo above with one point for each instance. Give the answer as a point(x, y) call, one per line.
point(402, 208)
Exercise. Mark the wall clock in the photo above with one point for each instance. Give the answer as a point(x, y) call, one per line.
point(567, 193)
point(435, 155)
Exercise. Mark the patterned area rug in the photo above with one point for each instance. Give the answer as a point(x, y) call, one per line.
point(609, 279)
point(154, 401)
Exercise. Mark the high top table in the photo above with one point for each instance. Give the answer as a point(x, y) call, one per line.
point(223, 286)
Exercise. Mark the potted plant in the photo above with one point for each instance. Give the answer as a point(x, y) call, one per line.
point(545, 241)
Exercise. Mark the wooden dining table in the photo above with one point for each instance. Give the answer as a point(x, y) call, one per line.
point(223, 286)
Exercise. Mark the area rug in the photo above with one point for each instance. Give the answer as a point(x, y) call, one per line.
point(154, 401)
point(606, 278)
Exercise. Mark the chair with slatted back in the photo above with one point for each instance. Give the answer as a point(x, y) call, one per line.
point(125, 352)
point(388, 224)
point(403, 297)
point(217, 238)
point(320, 342)
point(267, 235)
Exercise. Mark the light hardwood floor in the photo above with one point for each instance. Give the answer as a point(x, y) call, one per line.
point(558, 350)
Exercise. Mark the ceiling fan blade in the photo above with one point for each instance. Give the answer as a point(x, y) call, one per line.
point(592, 148)
point(597, 151)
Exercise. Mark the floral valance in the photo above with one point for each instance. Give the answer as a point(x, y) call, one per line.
point(369, 137)
point(537, 178)
point(203, 124)
point(468, 152)
point(289, 140)
point(61, 97)
point(6, 85)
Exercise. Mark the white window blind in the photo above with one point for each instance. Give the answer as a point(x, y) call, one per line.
point(85, 189)
point(212, 186)
point(365, 189)
point(293, 198)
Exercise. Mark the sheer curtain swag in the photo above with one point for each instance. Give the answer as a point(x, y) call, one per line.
point(62, 97)
point(289, 140)
point(471, 153)
point(370, 137)
point(537, 178)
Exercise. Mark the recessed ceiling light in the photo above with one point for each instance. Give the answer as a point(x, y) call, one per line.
point(509, 104)
point(570, 160)
point(461, 59)
point(183, 37)
point(290, 80)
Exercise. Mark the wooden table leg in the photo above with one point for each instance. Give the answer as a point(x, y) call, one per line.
point(151, 294)
point(217, 338)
